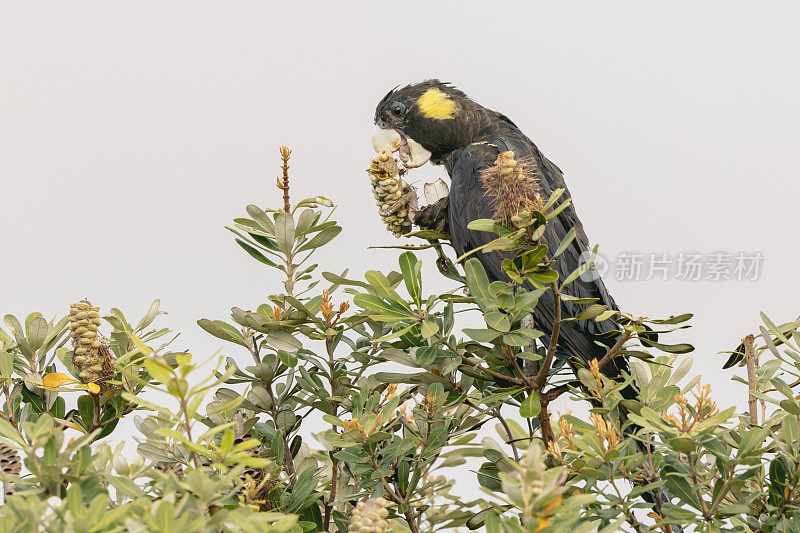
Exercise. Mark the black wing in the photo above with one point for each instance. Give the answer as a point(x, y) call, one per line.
point(468, 202)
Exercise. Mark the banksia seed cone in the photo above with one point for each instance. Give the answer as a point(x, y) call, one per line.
point(9, 464)
point(89, 357)
point(174, 468)
point(370, 517)
point(387, 188)
point(513, 188)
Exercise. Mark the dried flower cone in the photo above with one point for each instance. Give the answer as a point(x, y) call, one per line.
point(258, 485)
point(513, 188)
point(89, 356)
point(370, 517)
point(387, 188)
point(174, 468)
point(9, 464)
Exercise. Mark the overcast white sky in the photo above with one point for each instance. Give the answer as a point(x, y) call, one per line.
point(132, 132)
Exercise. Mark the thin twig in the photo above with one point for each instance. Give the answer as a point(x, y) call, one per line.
point(10, 416)
point(614, 350)
point(511, 439)
point(551, 350)
point(749, 354)
point(554, 393)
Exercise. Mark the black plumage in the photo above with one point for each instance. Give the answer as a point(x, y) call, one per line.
point(469, 142)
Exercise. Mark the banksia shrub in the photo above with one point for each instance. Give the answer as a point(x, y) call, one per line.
point(370, 517)
point(388, 188)
point(88, 356)
point(512, 187)
point(10, 464)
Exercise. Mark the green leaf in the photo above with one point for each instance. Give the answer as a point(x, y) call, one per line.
point(498, 321)
point(282, 340)
point(284, 232)
point(575, 274)
point(791, 431)
point(154, 453)
point(477, 280)
point(427, 234)
point(37, 331)
point(333, 420)
point(320, 239)
point(683, 444)
point(255, 254)
point(261, 218)
point(394, 334)
point(499, 244)
point(489, 477)
point(484, 224)
point(526, 301)
point(481, 335)
point(669, 348)
point(790, 406)
point(287, 359)
point(305, 221)
point(673, 320)
point(159, 371)
point(383, 287)
point(679, 513)
point(8, 431)
point(514, 339)
point(486, 518)
point(605, 315)
point(151, 315)
point(563, 205)
point(222, 330)
point(260, 397)
point(411, 269)
point(19, 334)
point(565, 242)
point(6, 365)
point(533, 257)
point(544, 276)
point(429, 329)
point(680, 487)
point(553, 198)
point(381, 309)
point(592, 311)
point(339, 280)
point(530, 406)
point(86, 409)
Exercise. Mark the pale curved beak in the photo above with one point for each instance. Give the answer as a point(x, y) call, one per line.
point(411, 153)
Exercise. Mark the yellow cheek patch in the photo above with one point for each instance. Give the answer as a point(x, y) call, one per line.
point(436, 104)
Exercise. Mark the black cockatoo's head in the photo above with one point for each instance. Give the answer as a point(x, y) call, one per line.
point(424, 121)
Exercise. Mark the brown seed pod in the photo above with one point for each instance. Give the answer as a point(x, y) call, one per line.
point(388, 188)
point(91, 358)
point(10, 464)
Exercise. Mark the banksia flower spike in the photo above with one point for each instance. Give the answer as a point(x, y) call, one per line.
point(395, 198)
point(9, 464)
point(513, 189)
point(90, 358)
point(370, 517)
